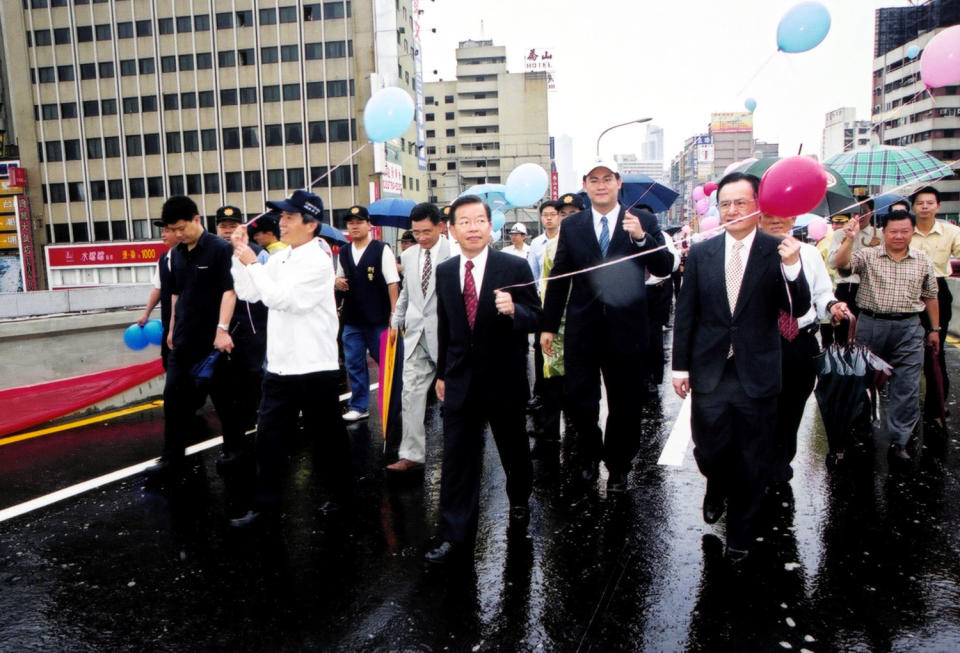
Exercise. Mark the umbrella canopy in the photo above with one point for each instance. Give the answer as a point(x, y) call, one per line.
point(328, 232)
point(882, 203)
point(641, 189)
point(391, 212)
point(885, 165)
point(493, 195)
point(839, 197)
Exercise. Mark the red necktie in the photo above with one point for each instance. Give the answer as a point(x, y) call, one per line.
point(789, 328)
point(469, 294)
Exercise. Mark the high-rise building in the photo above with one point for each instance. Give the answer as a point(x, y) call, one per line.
point(904, 111)
point(842, 132)
point(631, 164)
point(653, 144)
point(117, 105)
point(483, 124)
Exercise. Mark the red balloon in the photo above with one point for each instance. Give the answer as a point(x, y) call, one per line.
point(792, 186)
point(709, 188)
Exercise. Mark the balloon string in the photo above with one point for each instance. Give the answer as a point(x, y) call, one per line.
point(757, 73)
point(709, 233)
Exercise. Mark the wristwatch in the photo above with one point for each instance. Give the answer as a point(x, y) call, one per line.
point(225, 327)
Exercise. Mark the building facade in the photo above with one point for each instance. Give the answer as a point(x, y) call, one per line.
point(116, 106)
point(842, 132)
point(904, 113)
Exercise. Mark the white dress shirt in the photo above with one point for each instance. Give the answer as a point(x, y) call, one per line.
point(523, 252)
point(821, 288)
point(611, 224)
point(479, 265)
point(537, 247)
point(653, 279)
point(296, 285)
point(388, 262)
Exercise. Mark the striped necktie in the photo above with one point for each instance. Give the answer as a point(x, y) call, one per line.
point(604, 239)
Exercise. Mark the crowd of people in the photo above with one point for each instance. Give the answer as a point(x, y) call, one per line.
point(260, 316)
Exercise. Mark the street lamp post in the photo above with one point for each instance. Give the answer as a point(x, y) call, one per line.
point(623, 124)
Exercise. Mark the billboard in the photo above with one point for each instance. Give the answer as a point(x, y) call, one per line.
point(541, 60)
point(739, 121)
point(98, 255)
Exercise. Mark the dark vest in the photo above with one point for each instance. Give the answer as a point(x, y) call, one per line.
point(249, 320)
point(367, 303)
point(166, 291)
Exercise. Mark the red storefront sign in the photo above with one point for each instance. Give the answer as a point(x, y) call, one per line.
point(18, 176)
point(94, 255)
point(26, 244)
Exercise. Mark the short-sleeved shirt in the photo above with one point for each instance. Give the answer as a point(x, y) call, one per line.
point(889, 286)
point(200, 277)
point(940, 244)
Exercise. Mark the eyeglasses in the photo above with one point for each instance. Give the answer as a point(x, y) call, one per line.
point(475, 222)
point(740, 204)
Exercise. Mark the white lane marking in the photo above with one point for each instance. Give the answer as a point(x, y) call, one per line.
point(118, 475)
point(675, 449)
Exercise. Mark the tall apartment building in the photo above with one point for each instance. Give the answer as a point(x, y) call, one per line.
point(483, 124)
point(118, 104)
point(905, 114)
point(842, 132)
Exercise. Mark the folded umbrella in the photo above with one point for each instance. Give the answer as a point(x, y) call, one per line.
point(202, 373)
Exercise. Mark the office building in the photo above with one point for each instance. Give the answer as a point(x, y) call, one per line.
point(842, 132)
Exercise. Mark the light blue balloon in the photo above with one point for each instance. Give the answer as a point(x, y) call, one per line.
point(913, 52)
point(750, 104)
point(526, 184)
point(497, 235)
point(713, 212)
point(388, 114)
point(135, 338)
point(153, 330)
point(498, 219)
point(803, 27)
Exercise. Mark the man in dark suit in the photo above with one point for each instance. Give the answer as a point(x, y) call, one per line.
point(481, 373)
point(607, 321)
point(726, 349)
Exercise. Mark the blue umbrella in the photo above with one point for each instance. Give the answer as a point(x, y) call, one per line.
point(641, 189)
point(882, 203)
point(328, 232)
point(391, 212)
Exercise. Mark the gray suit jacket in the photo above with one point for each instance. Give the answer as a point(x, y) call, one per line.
point(416, 313)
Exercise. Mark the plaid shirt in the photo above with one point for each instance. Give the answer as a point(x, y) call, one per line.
point(939, 245)
point(888, 286)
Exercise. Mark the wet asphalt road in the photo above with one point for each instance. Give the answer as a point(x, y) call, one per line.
point(866, 558)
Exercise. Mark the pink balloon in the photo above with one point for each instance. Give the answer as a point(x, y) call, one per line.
point(698, 193)
point(940, 61)
point(703, 205)
point(817, 228)
point(792, 186)
point(709, 188)
point(709, 223)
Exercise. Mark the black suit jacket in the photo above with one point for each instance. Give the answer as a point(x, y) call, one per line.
point(606, 306)
point(703, 327)
point(493, 358)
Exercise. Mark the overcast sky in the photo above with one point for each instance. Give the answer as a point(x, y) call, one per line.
point(673, 60)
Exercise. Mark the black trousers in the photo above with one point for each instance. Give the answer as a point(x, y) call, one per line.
point(243, 368)
point(284, 398)
point(463, 430)
point(624, 377)
point(551, 394)
point(537, 365)
point(181, 399)
point(931, 408)
point(733, 437)
point(799, 374)
point(659, 302)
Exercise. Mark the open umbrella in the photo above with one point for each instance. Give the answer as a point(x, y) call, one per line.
point(886, 165)
point(641, 189)
point(882, 203)
point(330, 233)
point(391, 212)
point(839, 197)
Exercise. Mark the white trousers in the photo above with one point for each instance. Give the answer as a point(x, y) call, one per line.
point(419, 371)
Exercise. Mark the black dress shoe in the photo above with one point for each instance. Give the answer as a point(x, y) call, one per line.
point(330, 508)
point(617, 482)
point(899, 452)
point(534, 403)
point(519, 515)
point(712, 508)
point(256, 518)
point(443, 554)
point(589, 473)
point(737, 558)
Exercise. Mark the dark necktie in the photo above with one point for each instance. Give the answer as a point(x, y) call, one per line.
point(469, 293)
point(604, 239)
point(425, 277)
point(789, 328)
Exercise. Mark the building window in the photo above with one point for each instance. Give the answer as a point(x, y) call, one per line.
point(275, 179)
point(431, 133)
point(293, 133)
point(313, 51)
point(295, 178)
point(201, 23)
point(84, 33)
point(246, 57)
point(98, 191)
point(451, 132)
point(205, 99)
point(104, 33)
point(431, 150)
point(451, 149)
point(231, 138)
point(451, 165)
point(268, 16)
point(173, 142)
point(291, 91)
point(165, 25)
point(337, 88)
point(58, 193)
point(108, 107)
point(184, 24)
point(171, 101)
point(228, 96)
point(194, 185)
point(131, 105)
point(111, 146)
point(287, 14)
point(248, 95)
point(335, 49)
point(61, 35)
point(115, 189)
point(186, 62)
point(68, 109)
point(429, 117)
point(431, 167)
point(208, 140)
point(245, 18)
point(65, 73)
point(91, 108)
point(317, 131)
point(234, 182)
point(128, 67)
point(269, 54)
point(75, 191)
point(155, 186)
point(45, 75)
point(336, 10)
point(211, 182)
point(448, 115)
point(314, 90)
point(252, 180)
point(88, 71)
point(176, 185)
point(134, 145)
point(168, 64)
point(227, 58)
point(191, 141)
point(224, 20)
point(137, 188)
point(188, 100)
point(273, 135)
point(147, 66)
point(289, 53)
point(148, 103)
point(106, 69)
point(342, 176)
point(342, 130)
point(250, 137)
point(448, 99)
point(151, 143)
point(271, 93)
point(144, 27)
point(204, 61)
